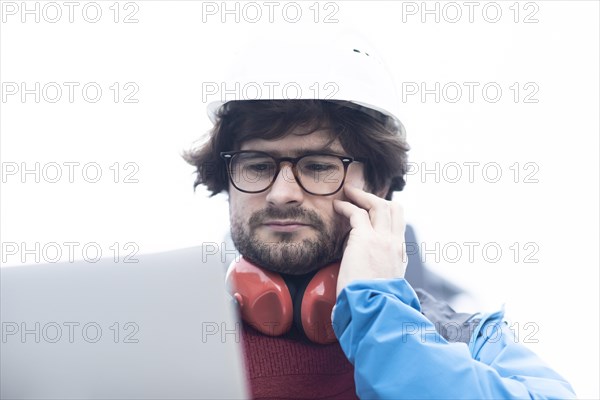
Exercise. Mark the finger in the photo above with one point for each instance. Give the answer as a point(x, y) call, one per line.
point(397, 219)
point(378, 208)
point(359, 217)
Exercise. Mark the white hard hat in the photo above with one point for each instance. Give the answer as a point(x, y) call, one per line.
point(341, 68)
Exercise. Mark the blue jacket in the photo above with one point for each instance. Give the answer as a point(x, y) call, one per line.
point(398, 353)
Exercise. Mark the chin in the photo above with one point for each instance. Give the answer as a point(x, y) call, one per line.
point(292, 238)
point(289, 257)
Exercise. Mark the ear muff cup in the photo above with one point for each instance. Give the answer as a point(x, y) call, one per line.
point(264, 299)
point(317, 304)
point(270, 303)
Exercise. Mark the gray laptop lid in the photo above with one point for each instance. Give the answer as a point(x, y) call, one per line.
point(160, 328)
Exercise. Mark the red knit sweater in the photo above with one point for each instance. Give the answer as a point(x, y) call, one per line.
point(290, 367)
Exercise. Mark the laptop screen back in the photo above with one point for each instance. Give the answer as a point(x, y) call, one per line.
point(160, 328)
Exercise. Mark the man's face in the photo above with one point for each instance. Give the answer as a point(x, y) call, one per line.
point(285, 229)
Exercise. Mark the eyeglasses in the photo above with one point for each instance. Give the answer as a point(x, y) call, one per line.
point(317, 174)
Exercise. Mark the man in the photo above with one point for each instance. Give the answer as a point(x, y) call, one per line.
point(310, 184)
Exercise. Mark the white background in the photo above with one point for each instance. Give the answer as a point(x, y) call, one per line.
point(174, 48)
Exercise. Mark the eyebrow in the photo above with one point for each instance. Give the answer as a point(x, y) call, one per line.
point(302, 151)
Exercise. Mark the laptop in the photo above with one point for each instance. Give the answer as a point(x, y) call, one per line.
point(161, 328)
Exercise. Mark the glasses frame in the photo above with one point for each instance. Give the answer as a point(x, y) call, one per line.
point(227, 156)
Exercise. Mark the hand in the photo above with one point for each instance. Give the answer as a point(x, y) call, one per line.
point(375, 248)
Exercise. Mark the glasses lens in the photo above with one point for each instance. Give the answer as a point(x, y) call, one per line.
point(252, 172)
point(321, 174)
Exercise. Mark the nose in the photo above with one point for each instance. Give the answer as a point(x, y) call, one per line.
point(285, 190)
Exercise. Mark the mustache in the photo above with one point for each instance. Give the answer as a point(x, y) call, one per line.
point(302, 215)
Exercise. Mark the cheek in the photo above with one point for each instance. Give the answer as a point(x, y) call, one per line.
point(325, 209)
point(240, 206)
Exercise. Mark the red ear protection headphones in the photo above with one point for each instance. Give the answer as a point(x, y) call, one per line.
point(271, 302)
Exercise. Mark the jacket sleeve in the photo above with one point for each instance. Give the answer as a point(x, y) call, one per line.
point(398, 354)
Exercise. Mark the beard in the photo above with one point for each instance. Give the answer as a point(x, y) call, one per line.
point(288, 255)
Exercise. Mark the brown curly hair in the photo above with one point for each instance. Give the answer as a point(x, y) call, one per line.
point(373, 136)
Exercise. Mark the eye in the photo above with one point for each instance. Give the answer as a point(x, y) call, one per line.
point(259, 167)
point(319, 167)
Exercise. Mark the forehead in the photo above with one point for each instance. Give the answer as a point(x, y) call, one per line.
point(295, 144)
